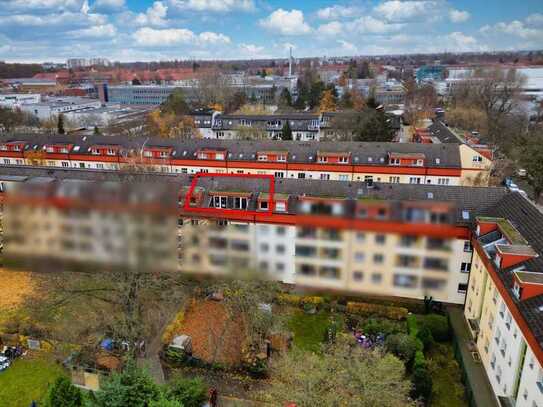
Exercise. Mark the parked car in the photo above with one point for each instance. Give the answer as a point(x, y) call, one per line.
point(4, 363)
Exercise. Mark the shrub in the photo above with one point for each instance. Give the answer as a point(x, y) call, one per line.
point(315, 301)
point(289, 299)
point(422, 384)
point(189, 392)
point(64, 394)
point(374, 326)
point(419, 361)
point(425, 336)
point(437, 325)
point(402, 345)
point(385, 311)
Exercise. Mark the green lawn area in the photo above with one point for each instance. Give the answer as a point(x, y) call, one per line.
point(27, 379)
point(310, 329)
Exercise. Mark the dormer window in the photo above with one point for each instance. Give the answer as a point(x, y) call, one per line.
point(3, 147)
point(95, 151)
point(16, 147)
point(50, 149)
point(262, 157)
point(343, 159)
point(202, 155)
point(219, 156)
point(420, 163)
point(110, 151)
point(394, 161)
point(477, 159)
point(163, 154)
point(322, 159)
point(263, 205)
point(282, 158)
point(280, 206)
point(147, 154)
point(64, 150)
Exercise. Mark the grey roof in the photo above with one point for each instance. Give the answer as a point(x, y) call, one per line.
point(463, 199)
point(362, 153)
point(528, 220)
point(442, 133)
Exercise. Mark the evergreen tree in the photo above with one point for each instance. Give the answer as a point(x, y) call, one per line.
point(188, 392)
point(60, 124)
point(285, 98)
point(175, 104)
point(64, 394)
point(286, 133)
point(96, 131)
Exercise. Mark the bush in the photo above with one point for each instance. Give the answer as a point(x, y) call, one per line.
point(385, 311)
point(289, 299)
point(437, 325)
point(402, 345)
point(374, 326)
point(425, 336)
point(64, 394)
point(422, 384)
point(419, 361)
point(189, 392)
point(315, 301)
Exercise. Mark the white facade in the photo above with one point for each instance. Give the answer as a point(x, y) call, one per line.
point(52, 107)
point(12, 100)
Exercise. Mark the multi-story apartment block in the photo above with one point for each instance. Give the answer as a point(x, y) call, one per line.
point(406, 163)
point(359, 237)
point(504, 301)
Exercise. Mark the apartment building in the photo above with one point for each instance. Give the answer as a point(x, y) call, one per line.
point(406, 163)
point(397, 240)
point(50, 108)
point(504, 301)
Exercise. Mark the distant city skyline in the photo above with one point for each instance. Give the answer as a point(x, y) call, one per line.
point(146, 30)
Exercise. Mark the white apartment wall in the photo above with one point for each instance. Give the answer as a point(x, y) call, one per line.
point(530, 392)
point(275, 250)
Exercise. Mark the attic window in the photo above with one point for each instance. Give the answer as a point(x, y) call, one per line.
point(382, 159)
point(185, 152)
point(370, 159)
point(438, 161)
point(430, 195)
point(76, 148)
point(465, 215)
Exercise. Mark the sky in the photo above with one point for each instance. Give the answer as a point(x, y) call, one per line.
point(149, 30)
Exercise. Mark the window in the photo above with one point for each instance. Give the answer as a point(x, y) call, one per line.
point(406, 281)
point(343, 159)
point(436, 263)
point(280, 248)
point(262, 157)
point(394, 161)
point(360, 237)
point(467, 246)
point(147, 154)
point(301, 175)
point(281, 230)
point(359, 256)
point(414, 180)
point(110, 151)
point(263, 205)
point(65, 164)
point(322, 159)
point(380, 239)
point(462, 287)
point(325, 177)
point(343, 177)
point(465, 267)
point(477, 159)
point(279, 174)
point(378, 258)
point(281, 206)
point(394, 180)
point(443, 181)
point(376, 278)
point(358, 276)
point(99, 166)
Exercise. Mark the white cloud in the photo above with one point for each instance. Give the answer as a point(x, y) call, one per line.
point(396, 10)
point(150, 37)
point(336, 11)
point(461, 42)
point(535, 19)
point(515, 28)
point(458, 16)
point(286, 22)
point(37, 5)
point(348, 47)
point(213, 5)
point(155, 15)
point(332, 28)
point(61, 20)
point(98, 31)
point(371, 25)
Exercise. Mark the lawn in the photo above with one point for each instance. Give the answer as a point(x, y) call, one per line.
point(27, 379)
point(310, 329)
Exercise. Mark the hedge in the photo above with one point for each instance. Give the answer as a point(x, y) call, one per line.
point(365, 309)
point(299, 300)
